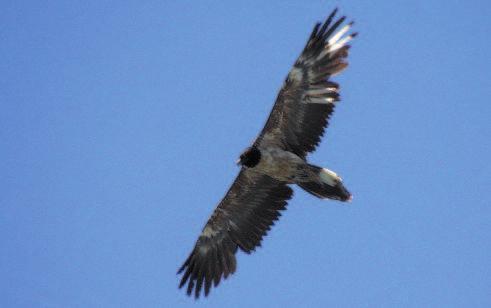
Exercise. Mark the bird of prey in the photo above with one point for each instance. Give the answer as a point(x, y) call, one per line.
point(276, 159)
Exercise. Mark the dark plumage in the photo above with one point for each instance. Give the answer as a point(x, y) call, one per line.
point(243, 217)
point(276, 159)
point(250, 158)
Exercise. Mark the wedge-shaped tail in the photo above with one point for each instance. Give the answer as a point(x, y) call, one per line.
point(327, 184)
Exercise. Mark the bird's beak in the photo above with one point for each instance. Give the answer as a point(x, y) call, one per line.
point(237, 162)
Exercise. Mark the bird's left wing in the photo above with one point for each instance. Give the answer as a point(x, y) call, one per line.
point(242, 218)
point(308, 96)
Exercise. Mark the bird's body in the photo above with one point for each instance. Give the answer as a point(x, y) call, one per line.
point(279, 164)
point(287, 167)
point(276, 160)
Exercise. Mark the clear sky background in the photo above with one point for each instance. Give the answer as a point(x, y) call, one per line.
point(120, 124)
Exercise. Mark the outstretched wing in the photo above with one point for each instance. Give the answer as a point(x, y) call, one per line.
point(242, 218)
point(307, 98)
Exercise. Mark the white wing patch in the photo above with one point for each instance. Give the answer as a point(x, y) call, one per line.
point(321, 100)
point(337, 41)
point(340, 43)
point(209, 232)
point(295, 74)
point(317, 95)
point(339, 34)
point(320, 91)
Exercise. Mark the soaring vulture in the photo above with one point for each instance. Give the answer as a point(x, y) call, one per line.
point(276, 159)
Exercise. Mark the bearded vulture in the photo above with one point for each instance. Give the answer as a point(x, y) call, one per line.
point(276, 159)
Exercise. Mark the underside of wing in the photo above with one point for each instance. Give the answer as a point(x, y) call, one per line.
point(242, 218)
point(308, 97)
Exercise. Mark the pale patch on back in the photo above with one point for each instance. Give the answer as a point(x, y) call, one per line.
point(278, 163)
point(329, 177)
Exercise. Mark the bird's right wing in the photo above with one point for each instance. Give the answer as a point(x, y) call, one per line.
point(242, 218)
point(308, 96)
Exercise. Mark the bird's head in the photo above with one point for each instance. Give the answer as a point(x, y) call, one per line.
point(250, 157)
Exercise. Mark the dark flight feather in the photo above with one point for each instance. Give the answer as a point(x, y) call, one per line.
point(241, 220)
point(298, 118)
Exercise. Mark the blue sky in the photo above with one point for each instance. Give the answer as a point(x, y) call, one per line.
point(120, 124)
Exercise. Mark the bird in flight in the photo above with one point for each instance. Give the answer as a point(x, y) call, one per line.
point(276, 160)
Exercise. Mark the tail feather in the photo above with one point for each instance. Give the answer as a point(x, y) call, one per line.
point(327, 184)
